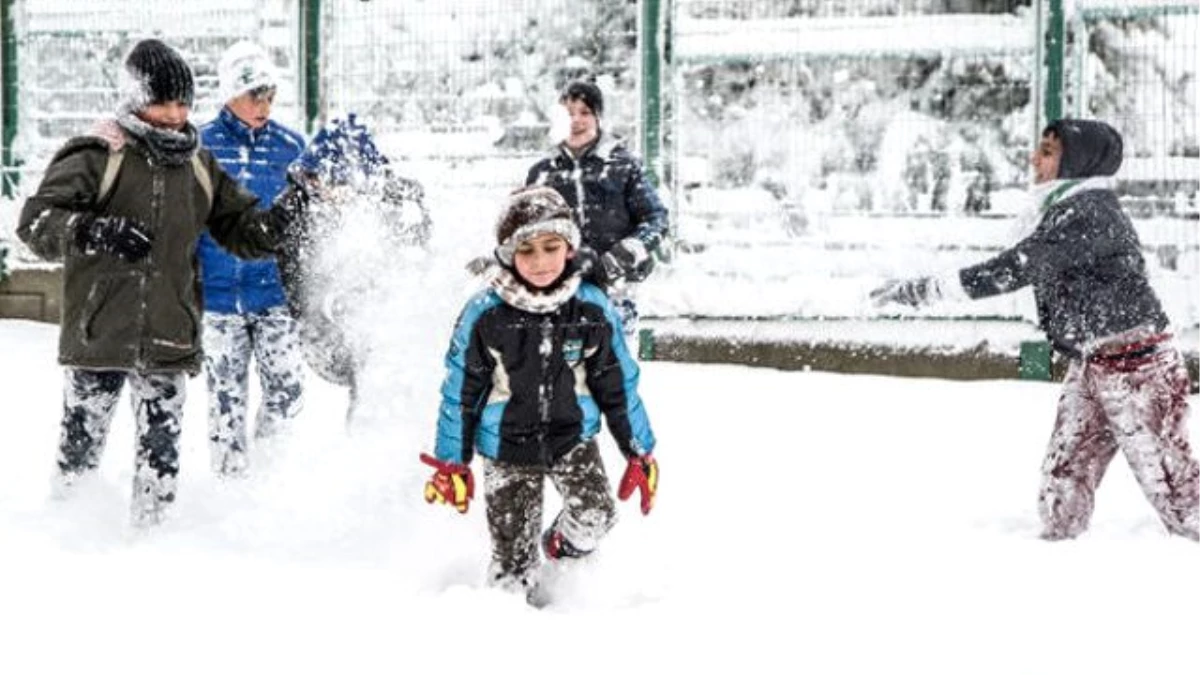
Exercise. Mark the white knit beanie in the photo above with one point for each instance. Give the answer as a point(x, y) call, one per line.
point(244, 67)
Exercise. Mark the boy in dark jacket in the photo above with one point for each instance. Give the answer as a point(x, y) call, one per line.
point(122, 208)
point(245, 309)
point(621, 219)
point(1126, 386)
point(533, 362)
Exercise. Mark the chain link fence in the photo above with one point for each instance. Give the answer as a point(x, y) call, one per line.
point(805, 141)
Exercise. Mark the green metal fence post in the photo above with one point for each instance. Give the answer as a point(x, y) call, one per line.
point(1055, 53)
point(8, 98)
point(645, 344)
point(651, 24)
point(310, 25)
point(1035, 360)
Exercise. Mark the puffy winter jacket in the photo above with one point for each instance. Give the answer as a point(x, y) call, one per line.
point(142, 315)
point(259, 159)
point(525, 388)
point(609, 192)
point(1084, 259)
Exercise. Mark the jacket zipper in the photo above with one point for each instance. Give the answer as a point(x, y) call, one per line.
point(156, 202)
point(545, 387)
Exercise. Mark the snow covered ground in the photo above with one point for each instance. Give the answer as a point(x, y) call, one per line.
point(808, 522)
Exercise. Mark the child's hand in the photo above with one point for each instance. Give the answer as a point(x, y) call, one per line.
point(911, 292)
point(451, 483)
point(641, 474)
point(125, 238)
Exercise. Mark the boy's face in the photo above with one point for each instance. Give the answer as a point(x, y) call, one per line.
point(168, 115)
point(253, 107)
point(1046, 158)
point(541, 260)
point(584, 125)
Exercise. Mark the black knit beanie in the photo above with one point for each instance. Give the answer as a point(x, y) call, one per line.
point(586, 92)
point(160, 73)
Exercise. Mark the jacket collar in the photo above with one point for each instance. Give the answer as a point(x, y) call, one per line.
point(240, 130)
point(602, 147)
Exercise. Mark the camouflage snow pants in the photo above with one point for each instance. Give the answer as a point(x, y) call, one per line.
point(230, 341)
point(1138, 406)
point(514, 511)
point(89, 401)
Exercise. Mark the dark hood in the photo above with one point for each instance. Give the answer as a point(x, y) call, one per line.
point(1090, 148)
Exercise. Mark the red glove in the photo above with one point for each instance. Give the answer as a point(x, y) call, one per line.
point(451, 483)
point(641, 474)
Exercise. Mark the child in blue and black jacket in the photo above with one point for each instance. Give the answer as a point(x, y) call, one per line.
point(534, 360)
point(1126, 386)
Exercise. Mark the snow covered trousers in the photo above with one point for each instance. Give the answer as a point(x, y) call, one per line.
point(514, 511)
point(1137, 405)
point(89, 401)
point(230, 341)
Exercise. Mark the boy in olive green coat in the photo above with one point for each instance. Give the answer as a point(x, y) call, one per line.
point(122, 208)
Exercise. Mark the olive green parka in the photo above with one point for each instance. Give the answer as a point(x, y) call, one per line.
point(142, 315)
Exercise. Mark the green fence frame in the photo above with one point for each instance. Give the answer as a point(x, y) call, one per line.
point(8, 98)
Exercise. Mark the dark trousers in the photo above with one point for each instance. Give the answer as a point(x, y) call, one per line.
point(514, 510)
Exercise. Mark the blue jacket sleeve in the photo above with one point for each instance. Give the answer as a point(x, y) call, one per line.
point(612, 379)
point(466, 386)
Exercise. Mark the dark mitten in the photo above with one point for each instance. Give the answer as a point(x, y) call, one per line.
point(125, 238)
point(589, 264)
point(480, 265)
point(628, 259)
point(296, 196)
point(912, 292)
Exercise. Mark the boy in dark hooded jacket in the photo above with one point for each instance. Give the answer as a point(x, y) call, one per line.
point(1126, 386)
point(621, 219)
point(534, 361)
point(123, 207)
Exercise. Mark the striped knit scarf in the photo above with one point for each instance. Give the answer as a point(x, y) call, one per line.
point(515, 293)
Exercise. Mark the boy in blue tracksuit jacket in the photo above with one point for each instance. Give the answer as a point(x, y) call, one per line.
point(245, 310)
point(533, 362)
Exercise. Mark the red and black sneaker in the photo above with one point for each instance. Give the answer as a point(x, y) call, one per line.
point(556, 546)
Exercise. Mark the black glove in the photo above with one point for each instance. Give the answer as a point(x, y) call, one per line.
point(125, 238)
point(590, 267)
point(628, 259)
point(912, 292)
point(479, 265)
point(296, 196)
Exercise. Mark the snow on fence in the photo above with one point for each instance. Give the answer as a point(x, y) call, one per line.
point(707, 39)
